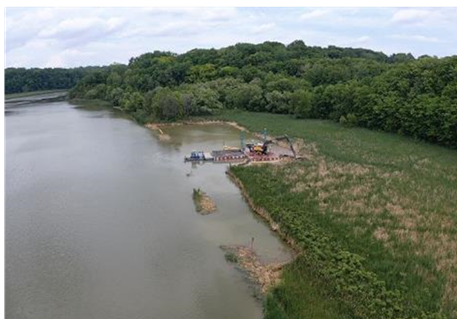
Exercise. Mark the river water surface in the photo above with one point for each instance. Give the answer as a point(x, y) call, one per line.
point(100, 222)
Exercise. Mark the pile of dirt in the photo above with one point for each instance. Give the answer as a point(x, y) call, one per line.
point(204, 204)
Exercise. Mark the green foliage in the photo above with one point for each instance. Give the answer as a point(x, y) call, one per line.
point(197, 193)
point(231, 257)
point(202, 73)
point(400, 94)
point(301, 103)
point(344, 274)
point(166, 104)
point(199, 99)
point(344, 268)
point(19, 80)
point(350, 120)
point(132, 101)
point(245, 96)
point(361, 292)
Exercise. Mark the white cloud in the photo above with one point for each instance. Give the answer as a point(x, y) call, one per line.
point(419, 38)
point(343, 17)
point(422, 16)
point(9, 22)
point(80, 32)
point(99, 36)
point(77, 26)
point(362, 39)
point(199, 13)
point(314, 14)
point(409, 15)
point(264, 27)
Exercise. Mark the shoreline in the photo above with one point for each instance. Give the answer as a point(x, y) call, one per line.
point(18, 95)
point(264, 214)
point(265, 276)
point(157, 126)
point(374, 285)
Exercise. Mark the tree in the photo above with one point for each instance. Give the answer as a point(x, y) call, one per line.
point(301, 103)
point(199, 99)
point(166, 104)
point(246, 96)
point(131, 102)
point(278, 102)
point(200, 73)
point(397, 93)
point(35, 79)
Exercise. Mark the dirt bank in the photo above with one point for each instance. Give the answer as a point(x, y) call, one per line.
point(158, 125)
point(264, 275)
point(263, 213)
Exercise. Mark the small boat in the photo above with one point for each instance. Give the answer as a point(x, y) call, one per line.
point(199, 156)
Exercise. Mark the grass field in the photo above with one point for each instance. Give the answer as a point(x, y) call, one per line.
point(375, 216)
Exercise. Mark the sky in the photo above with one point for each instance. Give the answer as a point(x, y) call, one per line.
point(72, 37)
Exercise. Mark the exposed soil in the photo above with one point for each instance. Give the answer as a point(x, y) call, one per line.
point(156, 127)
point(204, 204)
point(264, 275)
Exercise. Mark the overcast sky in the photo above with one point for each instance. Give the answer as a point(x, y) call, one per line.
point(71, 37)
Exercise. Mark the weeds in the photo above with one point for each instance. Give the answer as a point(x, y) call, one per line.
point(231, 257)
point(375, 216)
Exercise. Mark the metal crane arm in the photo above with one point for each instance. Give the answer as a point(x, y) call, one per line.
point(282, 138)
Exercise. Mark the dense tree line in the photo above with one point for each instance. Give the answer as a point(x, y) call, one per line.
point(356, 87)
point(35, 79)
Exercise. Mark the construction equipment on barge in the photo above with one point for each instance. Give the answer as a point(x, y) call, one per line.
point(278, 139)
point(232, 155)
point(221, 156)
point(249, 152)
point(263, 148)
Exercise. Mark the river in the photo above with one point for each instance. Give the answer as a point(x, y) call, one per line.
point(100, 222)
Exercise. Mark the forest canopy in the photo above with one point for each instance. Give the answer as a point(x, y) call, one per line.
point(353, 86)
point(19, 80)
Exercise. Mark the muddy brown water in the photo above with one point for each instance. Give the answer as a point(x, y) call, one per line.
point(100, 222)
